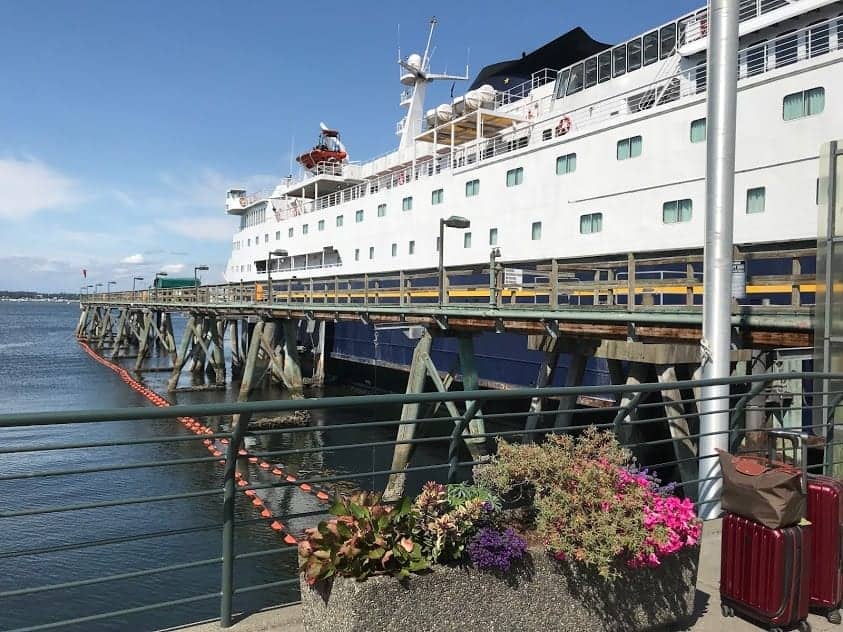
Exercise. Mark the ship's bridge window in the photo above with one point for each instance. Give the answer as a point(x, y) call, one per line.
point(651, 47)
point(576, 80)
point(604, 66)
point(536, 231)
point(371, 252)
point(590, 72)
point(677, 211)
point(357, 254)
point(493, 236)
point(633, 55)
point(562, 83)
point(407, 203)
point(290, 232)
point(381, 210)
point(358, 216)
point(249, 242)
point(698, 131)
point(437, 196)
point(277, 235)
point(591, 223)
point(619, 60)
point(472, 188)
point(630, 148)
point(756, 200)
point(339, 221)
point(394, 250)
point(466, 240)
point(320, 226)
point(411, 247)
point(802, 104)
point(818, 39)
point(667, 40)
point(304, 229)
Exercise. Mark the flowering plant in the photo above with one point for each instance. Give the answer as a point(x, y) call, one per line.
point(593, 506)
point(445, 526)
point(496, 550)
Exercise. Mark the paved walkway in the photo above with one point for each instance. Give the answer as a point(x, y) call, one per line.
point(708, 617)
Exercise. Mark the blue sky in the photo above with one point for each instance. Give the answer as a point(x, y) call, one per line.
point(123, 123)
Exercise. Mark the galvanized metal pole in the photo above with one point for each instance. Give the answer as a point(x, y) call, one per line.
point(720, 200)
point(441, 261)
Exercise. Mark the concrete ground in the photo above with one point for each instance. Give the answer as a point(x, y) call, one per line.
point(707, 611)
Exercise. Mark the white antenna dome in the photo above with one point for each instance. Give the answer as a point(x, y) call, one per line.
point(414, 61)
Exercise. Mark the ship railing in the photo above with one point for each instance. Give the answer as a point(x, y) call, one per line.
point(774, 54)
point(670, 280)
point(525, 88)
point(184, 540)
point(806, 44)
point(694, 26)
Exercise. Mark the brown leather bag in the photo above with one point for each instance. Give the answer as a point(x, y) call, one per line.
point(766, 491)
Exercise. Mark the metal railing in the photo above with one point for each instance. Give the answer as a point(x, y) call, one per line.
point(551, 284)
point(350, 448)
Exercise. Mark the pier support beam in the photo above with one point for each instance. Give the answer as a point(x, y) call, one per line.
point(143, 349)
point(573, 377)
point(236, 355)
point(181, 357)
point(318, 375)
point(547, 370)
point(470, 382)
point(683, 446)
point(409, 414)
point(628, 414)
point(291, 373)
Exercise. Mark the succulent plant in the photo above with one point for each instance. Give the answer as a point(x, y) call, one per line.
point(366, 538)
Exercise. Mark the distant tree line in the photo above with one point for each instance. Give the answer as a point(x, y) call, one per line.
point(38, 295)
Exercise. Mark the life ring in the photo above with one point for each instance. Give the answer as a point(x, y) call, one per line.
point(564, 126)
point(243, 202)
point(400, 177)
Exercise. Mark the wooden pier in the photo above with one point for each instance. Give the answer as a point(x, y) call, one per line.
point(642, 315)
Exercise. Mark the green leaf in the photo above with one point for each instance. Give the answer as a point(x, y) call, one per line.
point(377, 553)
point(339, 508)
point(359, 512)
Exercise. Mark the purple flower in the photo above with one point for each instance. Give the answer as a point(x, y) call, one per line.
point(494, 550)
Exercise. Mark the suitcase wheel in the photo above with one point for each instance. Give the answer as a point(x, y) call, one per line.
point(833, 616)
point(726, 611)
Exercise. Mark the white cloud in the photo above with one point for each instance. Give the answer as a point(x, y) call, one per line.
point(173, 268)
point(30, 185)
point(136, 260)
point(201, 227)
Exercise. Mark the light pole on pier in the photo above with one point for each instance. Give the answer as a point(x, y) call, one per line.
point(108, 286)
point(196, 269)
point(454, 221)
point(281, 254)
point(137, 278)
point(96, 286)
point(155, 282)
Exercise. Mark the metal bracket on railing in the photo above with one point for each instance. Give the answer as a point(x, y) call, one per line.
point(441, 321)
point(631, 405)
point(552, 328)
point(365, 318)
point(499, 326)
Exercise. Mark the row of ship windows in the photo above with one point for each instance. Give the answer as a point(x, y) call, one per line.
point(794, 106)
point(673, 212)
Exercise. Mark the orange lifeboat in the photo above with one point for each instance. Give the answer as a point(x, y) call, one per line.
point(328, 149)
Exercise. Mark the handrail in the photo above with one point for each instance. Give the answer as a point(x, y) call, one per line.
point(623, 283)
point(642, 409)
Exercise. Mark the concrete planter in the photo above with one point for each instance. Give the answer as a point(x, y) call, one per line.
point(542, 595)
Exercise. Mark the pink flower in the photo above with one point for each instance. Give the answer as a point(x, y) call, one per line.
point(407, 544)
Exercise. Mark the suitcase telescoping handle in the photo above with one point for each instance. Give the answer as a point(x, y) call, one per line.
point(799, 441)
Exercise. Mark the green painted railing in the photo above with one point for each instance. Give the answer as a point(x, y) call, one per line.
point(638, 407)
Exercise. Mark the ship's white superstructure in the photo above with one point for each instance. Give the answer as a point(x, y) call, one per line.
point(604, 156)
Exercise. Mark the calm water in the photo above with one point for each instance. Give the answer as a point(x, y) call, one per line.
point(43, 368)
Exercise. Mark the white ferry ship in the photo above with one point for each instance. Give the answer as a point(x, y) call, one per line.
point(579, 148)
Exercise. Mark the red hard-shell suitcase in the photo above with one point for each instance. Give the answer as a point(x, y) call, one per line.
point(762, 570)
point(825, 513)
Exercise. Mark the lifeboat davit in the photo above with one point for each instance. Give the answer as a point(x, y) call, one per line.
point(328, 149)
